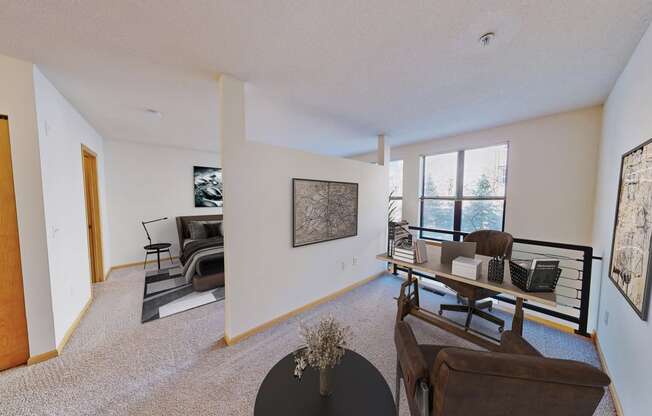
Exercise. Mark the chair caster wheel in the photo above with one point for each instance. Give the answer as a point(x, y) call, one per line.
point(501, 329)
point(441, 312)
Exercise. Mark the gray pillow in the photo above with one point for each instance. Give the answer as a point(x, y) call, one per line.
point(213, 229)
point(197, 230)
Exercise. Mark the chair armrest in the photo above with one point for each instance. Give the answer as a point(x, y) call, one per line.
point(410, 357)
point(519, 366)
point(516, 344)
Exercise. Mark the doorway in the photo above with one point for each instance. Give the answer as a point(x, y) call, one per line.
point(14, 346)
point(92, 198)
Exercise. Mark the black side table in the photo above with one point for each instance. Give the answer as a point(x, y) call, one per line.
point(157, 249)
point(359, 389)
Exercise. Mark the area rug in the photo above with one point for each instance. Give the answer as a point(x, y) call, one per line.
point(167, 293)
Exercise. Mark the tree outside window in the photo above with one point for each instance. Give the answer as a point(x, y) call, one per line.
point(396, 190)
point(464, 191)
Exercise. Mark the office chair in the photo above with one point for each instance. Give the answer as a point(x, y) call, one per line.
point(488, 243)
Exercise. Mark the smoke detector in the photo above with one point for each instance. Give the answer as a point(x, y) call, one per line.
point(486, 39)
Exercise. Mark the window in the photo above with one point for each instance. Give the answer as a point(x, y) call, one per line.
point(463, 191)
point(396, 190)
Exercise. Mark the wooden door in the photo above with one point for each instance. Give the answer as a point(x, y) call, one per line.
point(92, 198)
point(14, 346)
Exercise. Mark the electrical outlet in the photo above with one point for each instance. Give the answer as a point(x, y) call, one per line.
point(606, 318)
point(343, 265)
point(355, 260)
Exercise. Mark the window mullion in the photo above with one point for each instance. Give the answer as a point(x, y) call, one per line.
point(459, 191)
point(423, 193)
point(457, 218)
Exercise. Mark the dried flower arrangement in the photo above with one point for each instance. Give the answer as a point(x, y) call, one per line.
point(324, 346)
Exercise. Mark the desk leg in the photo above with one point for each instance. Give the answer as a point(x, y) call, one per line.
point(403, 308)
point(408, 298)
point(517, 321)
point(415, 286)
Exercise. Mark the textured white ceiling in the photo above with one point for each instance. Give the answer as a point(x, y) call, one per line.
point(325, 76)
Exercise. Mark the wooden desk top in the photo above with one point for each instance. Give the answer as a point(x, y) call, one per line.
point(434, 267)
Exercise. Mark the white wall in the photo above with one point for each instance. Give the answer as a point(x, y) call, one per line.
point(146, 182)
point(551, 173)
point(281, 122)
point(17, 102)
point(62, 131)
point(266, 276)
point(625, 339)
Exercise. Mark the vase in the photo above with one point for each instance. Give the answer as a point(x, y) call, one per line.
point(325, 381)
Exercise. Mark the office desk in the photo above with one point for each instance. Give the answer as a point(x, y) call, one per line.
point(408, 300)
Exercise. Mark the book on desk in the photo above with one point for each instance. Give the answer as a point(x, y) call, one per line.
point(415, 252)
point(537, 275)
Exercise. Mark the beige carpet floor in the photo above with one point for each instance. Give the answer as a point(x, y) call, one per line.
point(114, 365)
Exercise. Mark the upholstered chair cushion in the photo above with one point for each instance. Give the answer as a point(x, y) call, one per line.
point(491, 243)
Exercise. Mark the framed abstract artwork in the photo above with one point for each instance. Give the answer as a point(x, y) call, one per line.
point(630, 265)
point(208, 187)
point(323, 211)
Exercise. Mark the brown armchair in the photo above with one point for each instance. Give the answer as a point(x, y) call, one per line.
point(516, 381)
point(488, 243)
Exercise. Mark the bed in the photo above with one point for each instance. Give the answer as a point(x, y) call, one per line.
point(201, 250)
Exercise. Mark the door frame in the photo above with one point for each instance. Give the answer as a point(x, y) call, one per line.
point(93, 218)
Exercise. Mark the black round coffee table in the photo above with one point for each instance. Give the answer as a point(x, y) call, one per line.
point(359, 389)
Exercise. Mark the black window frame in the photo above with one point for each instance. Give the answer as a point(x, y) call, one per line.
point(459, 197)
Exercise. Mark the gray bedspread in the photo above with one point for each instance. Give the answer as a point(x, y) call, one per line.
point(196, 251)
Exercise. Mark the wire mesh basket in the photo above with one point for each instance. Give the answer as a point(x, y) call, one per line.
point(496, 272)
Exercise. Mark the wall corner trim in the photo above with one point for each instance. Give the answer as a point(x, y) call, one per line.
point(55, 353)
point(260, 328)
point(39, 358)
point(612, 387)
point(74, 326)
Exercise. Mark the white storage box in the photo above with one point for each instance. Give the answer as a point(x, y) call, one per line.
point(467, 267)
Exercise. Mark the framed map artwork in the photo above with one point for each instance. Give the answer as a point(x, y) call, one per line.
point(323, 211)
point(629, 268)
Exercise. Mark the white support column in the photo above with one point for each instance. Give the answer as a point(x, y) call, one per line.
point(383, 151)
point(232, 146)
point(232, 111)
point(383, 160)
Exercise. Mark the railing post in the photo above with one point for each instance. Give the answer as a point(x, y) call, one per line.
point(587, 265)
